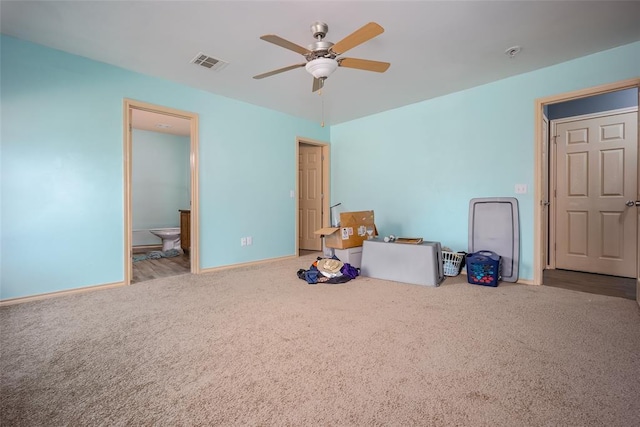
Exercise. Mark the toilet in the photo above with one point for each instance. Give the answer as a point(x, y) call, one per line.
point(170, 237)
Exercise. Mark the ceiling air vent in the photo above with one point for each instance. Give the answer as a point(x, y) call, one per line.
point(209, 62)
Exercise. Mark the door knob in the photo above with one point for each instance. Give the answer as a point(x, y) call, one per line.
point(632, 203)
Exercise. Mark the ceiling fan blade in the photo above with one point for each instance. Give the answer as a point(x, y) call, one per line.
point(367, 32)
point(278, 71)
point(364, 64)
point(277, 40)
point(317, 84)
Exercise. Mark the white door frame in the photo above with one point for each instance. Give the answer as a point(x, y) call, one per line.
point(129, 105)
point(538, 258)
point(326, 196)
point(547, 250)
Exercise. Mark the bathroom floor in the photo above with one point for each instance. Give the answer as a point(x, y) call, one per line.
point(164, 267)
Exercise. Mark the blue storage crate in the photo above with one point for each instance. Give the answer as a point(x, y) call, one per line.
point(484, 268)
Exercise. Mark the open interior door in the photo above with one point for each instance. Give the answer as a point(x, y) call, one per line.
point(638, 213)
point(310, 196)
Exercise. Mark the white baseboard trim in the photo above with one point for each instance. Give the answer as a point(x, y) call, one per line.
point(145, 248)
point(245, 264)
point(20, 300)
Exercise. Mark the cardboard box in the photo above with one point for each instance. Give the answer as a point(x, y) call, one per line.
point(354, 229)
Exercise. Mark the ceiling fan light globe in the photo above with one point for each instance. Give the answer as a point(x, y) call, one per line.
point(321, 67)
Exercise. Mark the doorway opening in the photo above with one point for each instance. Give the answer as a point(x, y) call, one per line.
point(554, 221)
point(162, 261)
point(312, 188)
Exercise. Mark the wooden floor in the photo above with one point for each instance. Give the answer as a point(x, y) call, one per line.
point(592, 283)
point(163, 267)
point(303, 252)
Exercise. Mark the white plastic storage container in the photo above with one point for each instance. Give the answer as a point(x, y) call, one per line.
point(351, 256)
point(403, 262)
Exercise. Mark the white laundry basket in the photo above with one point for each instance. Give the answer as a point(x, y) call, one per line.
point(451, 263)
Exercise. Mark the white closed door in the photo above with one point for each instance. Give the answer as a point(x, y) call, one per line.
point(596, 175)
point(310, 196)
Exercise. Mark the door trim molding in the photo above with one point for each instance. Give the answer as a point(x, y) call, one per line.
point(131, 104)
point(326, 191)
point(538, 265)
point(548, 252)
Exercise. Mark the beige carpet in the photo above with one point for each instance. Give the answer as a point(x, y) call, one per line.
point(258, 346)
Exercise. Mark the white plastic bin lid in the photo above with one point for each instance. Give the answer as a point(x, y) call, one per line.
point(494, 226)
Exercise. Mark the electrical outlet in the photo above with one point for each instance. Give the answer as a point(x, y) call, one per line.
point(243, 241)
point(249, 241)
point(521, 189)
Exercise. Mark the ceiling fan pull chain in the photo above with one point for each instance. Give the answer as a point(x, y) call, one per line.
point(322, 102)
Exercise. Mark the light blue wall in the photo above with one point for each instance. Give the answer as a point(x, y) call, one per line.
point(62, 170)
point(160, 182)
point(419, 166)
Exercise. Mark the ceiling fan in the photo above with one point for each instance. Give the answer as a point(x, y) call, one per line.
point(323, 56)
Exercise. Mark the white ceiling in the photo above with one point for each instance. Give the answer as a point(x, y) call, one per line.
point(434, 47)
point(163, 123)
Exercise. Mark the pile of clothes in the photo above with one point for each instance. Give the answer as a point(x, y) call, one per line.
point(328, 270)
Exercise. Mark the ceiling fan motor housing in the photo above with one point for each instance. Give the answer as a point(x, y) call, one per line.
point(320, 49)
